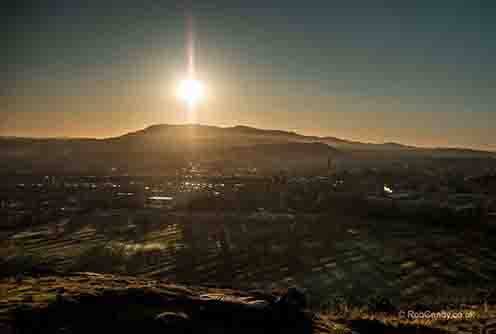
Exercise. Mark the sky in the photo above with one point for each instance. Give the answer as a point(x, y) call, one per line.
point(413, 72)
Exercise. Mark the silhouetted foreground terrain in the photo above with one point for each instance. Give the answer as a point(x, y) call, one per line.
point(94, 303)
point(87, 302)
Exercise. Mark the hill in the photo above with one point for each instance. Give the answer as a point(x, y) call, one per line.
point(163, 148)
point(88, 302)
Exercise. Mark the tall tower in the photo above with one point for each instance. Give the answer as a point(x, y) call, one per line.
point(330, 165)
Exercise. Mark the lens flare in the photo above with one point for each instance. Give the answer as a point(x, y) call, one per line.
point(191, 91)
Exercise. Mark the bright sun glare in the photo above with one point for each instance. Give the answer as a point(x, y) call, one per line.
point(191, 91)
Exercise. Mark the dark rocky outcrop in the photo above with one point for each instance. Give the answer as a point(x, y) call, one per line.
point(87, 302)
point(97, 303)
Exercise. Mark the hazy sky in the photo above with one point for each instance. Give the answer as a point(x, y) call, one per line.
point(415, 72)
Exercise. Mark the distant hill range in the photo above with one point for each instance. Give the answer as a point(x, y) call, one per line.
point(247, 135)
point(162, 148)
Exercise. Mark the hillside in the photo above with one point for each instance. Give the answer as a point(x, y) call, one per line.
point(87, 302)
point(245, 135)
point(96, 303)
point(162, 149)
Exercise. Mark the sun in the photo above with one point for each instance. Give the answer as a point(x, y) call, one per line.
point(191, 91)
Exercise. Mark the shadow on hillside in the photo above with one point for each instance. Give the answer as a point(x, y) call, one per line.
point(135, 310)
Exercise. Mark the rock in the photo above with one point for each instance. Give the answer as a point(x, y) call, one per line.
point(6, 329)
point(289, 311)
point(294, 299)
point(172, 320)
point(113, 305)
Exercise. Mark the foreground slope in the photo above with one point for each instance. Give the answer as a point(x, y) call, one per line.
point(87, 302)
point(97, 303)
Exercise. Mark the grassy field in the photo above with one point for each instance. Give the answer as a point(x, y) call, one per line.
point(340, 261)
